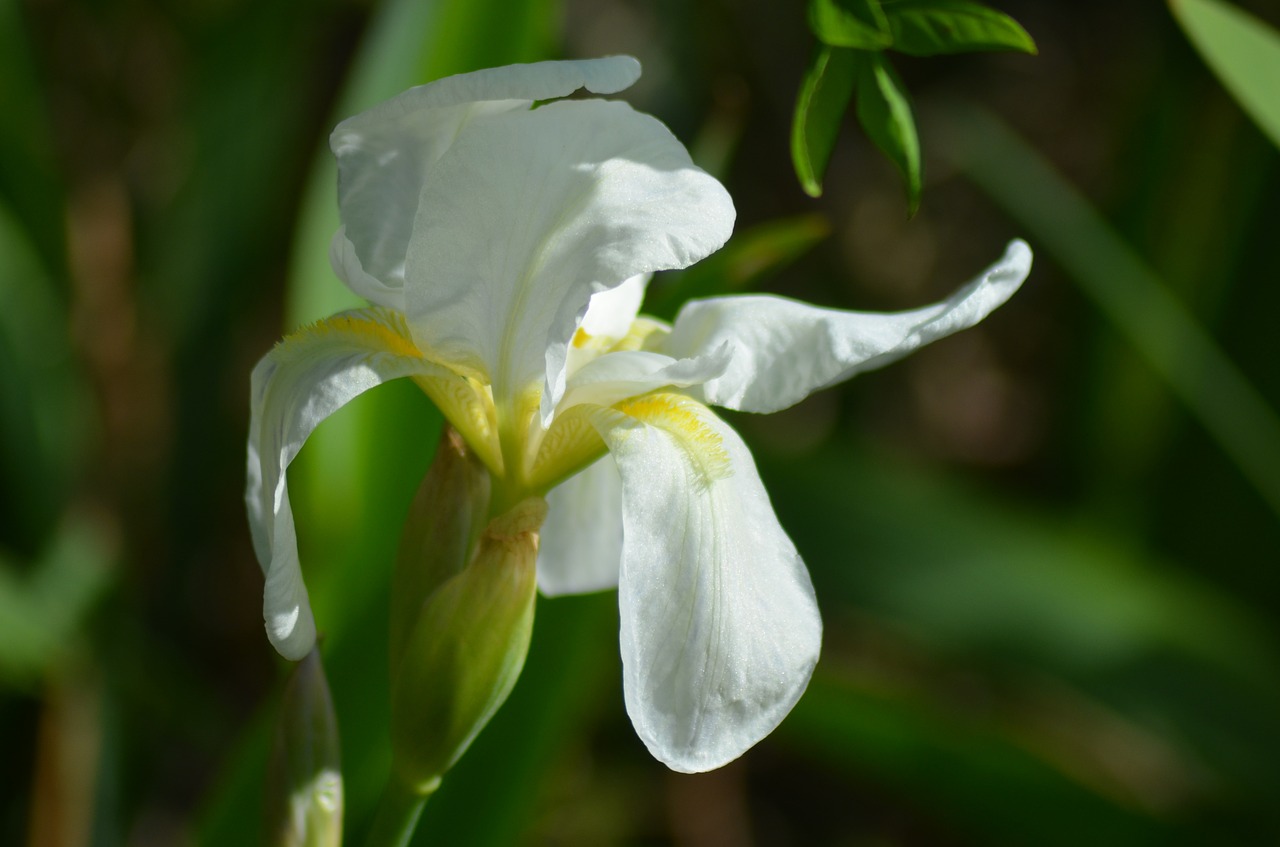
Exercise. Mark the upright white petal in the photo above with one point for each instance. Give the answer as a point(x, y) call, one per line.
point(719, 627)
point(529, 214)
point(581, 540)
point(385, 152)
point(306, 378)
point(608, 318)
point(784, 350)
point(610, 313)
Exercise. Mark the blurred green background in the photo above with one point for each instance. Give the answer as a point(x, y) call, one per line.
point(1045, 550)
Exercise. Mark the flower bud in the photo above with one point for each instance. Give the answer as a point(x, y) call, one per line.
point(444, 521)
point(466, 649)
point(304, 789)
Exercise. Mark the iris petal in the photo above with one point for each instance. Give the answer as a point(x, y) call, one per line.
point(719, 627)
point(529, 214)
point(784, 350)
point(581, 546)
point(384, 155)
point(306, 378)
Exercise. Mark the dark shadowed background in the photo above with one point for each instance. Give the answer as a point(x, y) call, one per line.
point(1045, 550)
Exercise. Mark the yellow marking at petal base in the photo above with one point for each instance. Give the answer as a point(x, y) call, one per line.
point(570, 445)
point(682, 418)
point(378, 330)
point(468, 405)
point(581, 338)
point(638, 336)
point(463, 400)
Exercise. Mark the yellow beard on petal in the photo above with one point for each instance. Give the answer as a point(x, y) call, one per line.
point(683, 418)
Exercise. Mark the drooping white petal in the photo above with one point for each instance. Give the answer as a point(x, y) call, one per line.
point(529, 214)
point(581, 540)
point(719, 627)
point(385, 152)
point(784, 350)
point(306, 378)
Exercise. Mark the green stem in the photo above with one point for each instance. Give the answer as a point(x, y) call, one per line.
point(398, 813)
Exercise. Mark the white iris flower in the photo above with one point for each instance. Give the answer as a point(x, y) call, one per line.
point(505, 251)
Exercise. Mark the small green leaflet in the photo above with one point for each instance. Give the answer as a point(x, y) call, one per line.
point(849, 23)
point(854, 35)
point(885, 115)
point(933, 27)
point(1242, 51)
point(824, 95)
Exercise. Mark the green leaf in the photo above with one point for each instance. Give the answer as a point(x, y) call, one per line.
point(933, 27)
point(1242, 51)
point(43, 605)
point(849, 23)
point(1128, 291)
point(824, 94)
point(885, 115)
point(983, 775)
point(46, 410)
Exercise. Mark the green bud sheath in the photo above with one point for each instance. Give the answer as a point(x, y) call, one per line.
point(441, 530)
point(304, 778)
point(466, 649)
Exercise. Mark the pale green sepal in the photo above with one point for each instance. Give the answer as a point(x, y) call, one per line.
point(304, 789)
point(466, 649)
point(442, 528)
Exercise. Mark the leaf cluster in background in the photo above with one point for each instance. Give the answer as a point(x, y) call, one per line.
point(854, 36)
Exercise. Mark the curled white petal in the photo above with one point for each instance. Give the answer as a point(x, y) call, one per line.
point(719, 627)
point(629, 373)
point(384, 285)
point(784, 350)
point(306, 378)
point(529, 214)
point(581, 540)
point(525, 83)
point(384, 155)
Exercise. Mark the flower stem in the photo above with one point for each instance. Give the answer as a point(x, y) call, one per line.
point(398, 813)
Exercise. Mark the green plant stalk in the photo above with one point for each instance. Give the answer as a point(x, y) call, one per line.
point(1128, 292)
point(398, 813)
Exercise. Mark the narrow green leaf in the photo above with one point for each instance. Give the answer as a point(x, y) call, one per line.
point(933, 27)
point(1242, 51)
point(981, 765)
point(46, 410)
point(824, 95)
point(849, 23)
point(885, 115)
point(1128, 292)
